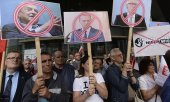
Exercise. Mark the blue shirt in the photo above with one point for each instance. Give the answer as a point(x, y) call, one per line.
point(14, 83)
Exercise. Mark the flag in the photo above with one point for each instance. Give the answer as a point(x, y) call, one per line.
point(0, 57)
point(163, 72)
point(2, 45)
point(81, 50)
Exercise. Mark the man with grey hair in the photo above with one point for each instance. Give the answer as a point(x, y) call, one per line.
point(117, 77)
point(131, 15)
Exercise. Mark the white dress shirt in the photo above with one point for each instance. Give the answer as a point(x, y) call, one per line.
point(14, 83)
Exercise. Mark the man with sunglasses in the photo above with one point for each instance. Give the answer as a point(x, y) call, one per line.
point(46, 88)
point(117, 77)
point(14, 78)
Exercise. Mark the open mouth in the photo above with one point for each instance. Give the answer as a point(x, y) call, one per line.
point(31, 15)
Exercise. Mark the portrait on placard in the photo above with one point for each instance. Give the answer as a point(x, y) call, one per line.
point(30, 18)
point(83, 27)
point(131, 13)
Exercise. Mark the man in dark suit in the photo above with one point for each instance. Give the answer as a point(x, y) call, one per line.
point(26, 15)
point(14, 78)
point(133, 17)
point(86, 33)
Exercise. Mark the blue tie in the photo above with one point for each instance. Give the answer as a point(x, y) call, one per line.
point(85, 34)
point(7, 91)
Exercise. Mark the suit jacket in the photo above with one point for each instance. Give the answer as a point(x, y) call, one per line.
point(23, 77)
point(118, 20)
point(10, 31)
point(92, 33)
point(165, 91)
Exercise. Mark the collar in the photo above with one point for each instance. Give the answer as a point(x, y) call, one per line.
point(14, 74)
point(87, 30)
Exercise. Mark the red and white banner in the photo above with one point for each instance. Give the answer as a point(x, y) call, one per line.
point(163, 72)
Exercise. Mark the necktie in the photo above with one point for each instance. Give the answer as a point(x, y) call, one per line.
point(130, 20)
point(7, 91)
point(85, 34)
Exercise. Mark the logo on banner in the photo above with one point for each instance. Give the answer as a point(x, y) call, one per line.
point(139, 42)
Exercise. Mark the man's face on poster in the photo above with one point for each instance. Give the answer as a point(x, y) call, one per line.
point(131, 4)
point(85, 20)
point(27, 13)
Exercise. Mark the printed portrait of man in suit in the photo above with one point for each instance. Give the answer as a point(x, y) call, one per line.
point(85, 32)
point(133, 16)
point(26, 15)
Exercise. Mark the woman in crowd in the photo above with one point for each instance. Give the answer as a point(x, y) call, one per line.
point(148, 86)
point(82, 92)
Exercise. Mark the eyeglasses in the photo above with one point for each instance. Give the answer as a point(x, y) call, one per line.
point(48, 60)
point(13, 58)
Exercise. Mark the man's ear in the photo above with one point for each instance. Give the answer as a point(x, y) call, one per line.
point(112, 58)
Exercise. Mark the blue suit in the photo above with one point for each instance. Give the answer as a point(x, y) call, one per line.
point(10, 31)
point(92, 33)
point(165, 91)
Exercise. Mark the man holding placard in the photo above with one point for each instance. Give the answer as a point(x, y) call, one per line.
point(46, 88)
point(117, 78)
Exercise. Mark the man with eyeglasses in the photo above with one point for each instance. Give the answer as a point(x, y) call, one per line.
point(65, 71)
point(14, 78)
point(46, 88)
point(131, 15)
point(117, 77)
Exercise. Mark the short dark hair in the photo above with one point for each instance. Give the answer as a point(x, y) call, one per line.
point(56, 51)
point(45, 53)
point(99, 59)
point(143, 65)
point(167, 58)
point(82, 61)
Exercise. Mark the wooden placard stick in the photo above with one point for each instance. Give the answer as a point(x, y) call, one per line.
point(157, 62)
point(129, 44)
point(2, 68)
point(90, 62)
point(38, 54)
point(90, 58)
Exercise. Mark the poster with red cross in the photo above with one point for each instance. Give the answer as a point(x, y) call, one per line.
point(84, 27)
point(153, 41)
point(30, 18)
point(131, 13)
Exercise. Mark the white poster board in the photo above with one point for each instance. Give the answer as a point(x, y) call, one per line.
point(154, 41)
point(31, 54)
point(83, 27)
